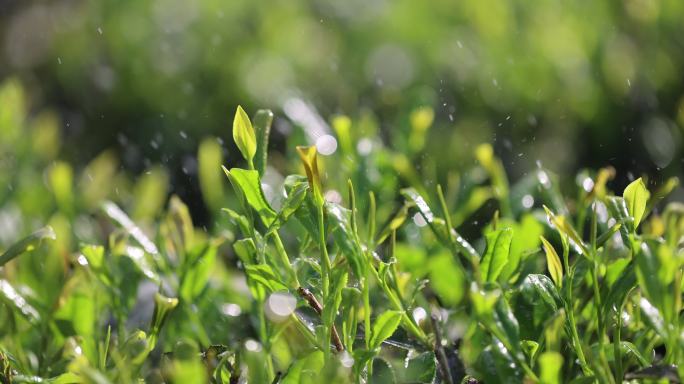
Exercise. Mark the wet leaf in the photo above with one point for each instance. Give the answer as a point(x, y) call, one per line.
point(264, 275)
point(383, 373)
point(497, 254)
point(249, 183)
point(305, 370)
point(384, 327)
point(27, 244)
point(262, 125)
point(421, 368)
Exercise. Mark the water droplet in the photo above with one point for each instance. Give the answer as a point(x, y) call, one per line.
point(528, 201)
point(365, 146)
point(280, 305)
point(346, 359)
point(252, 346)
point(333, 196)
point(326, 145)
point(231, 309)
point(419, 220)
point(419, 314)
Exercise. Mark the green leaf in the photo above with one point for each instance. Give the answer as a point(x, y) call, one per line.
point(620, 289)
point(653, 317)
point(496, 365)
point(496, 256)
point(505, 320)
point(553, 263)
point(550, 364)
point(618, 208)
point(162, 308)
point(629, 348)
point(292, 202)
point(421, 368)
point(249, 183)
point(243, 135)
point(339, 221)
point(11, 296)
point(384, 327)
point(264, 275)
point(447, 279)
point(636, 195)
point(564, 227)
point(305, 370)
point(332, 302)
point(27, 244)
point(262, 124)
point(648, 271)
point(115, 213)
point(197, 274)
point(383, 373)
point(534, 302)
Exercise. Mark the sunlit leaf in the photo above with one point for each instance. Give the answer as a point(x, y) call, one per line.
point(305, 370)
point(27, 244)
point(243, 135)
point(496, 256)
point(636, 195)
point(384, 326)
point(248, 182)
point(553, 263)
point(551, 364)
point(309, 158)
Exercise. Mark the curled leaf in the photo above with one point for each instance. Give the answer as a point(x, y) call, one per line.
point(310, 161)
point(553, 263)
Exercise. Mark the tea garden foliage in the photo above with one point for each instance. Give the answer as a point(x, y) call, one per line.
point(352, 268)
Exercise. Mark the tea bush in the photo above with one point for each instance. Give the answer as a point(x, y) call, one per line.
point(357, 267)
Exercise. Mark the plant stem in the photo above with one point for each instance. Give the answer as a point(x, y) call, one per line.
point(325, 259)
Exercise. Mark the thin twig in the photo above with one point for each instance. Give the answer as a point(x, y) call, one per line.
point(439, 350)
point(313, 303)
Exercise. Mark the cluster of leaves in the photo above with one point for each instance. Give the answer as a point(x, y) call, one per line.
point(389, 286)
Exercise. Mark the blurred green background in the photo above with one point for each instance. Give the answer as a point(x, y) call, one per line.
point(566, 84)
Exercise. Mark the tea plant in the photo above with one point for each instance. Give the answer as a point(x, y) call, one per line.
point(382, 283)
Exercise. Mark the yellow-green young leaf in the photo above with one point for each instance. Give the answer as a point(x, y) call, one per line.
point(243, 134)
point(564, 227)
point(553, 262)
point(636, 195)
point(310, 162)
point(384, 327)
point(550, 364)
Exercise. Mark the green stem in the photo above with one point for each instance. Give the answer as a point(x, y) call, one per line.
point(616, 346)
point(325, 259)
point(285, 260)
